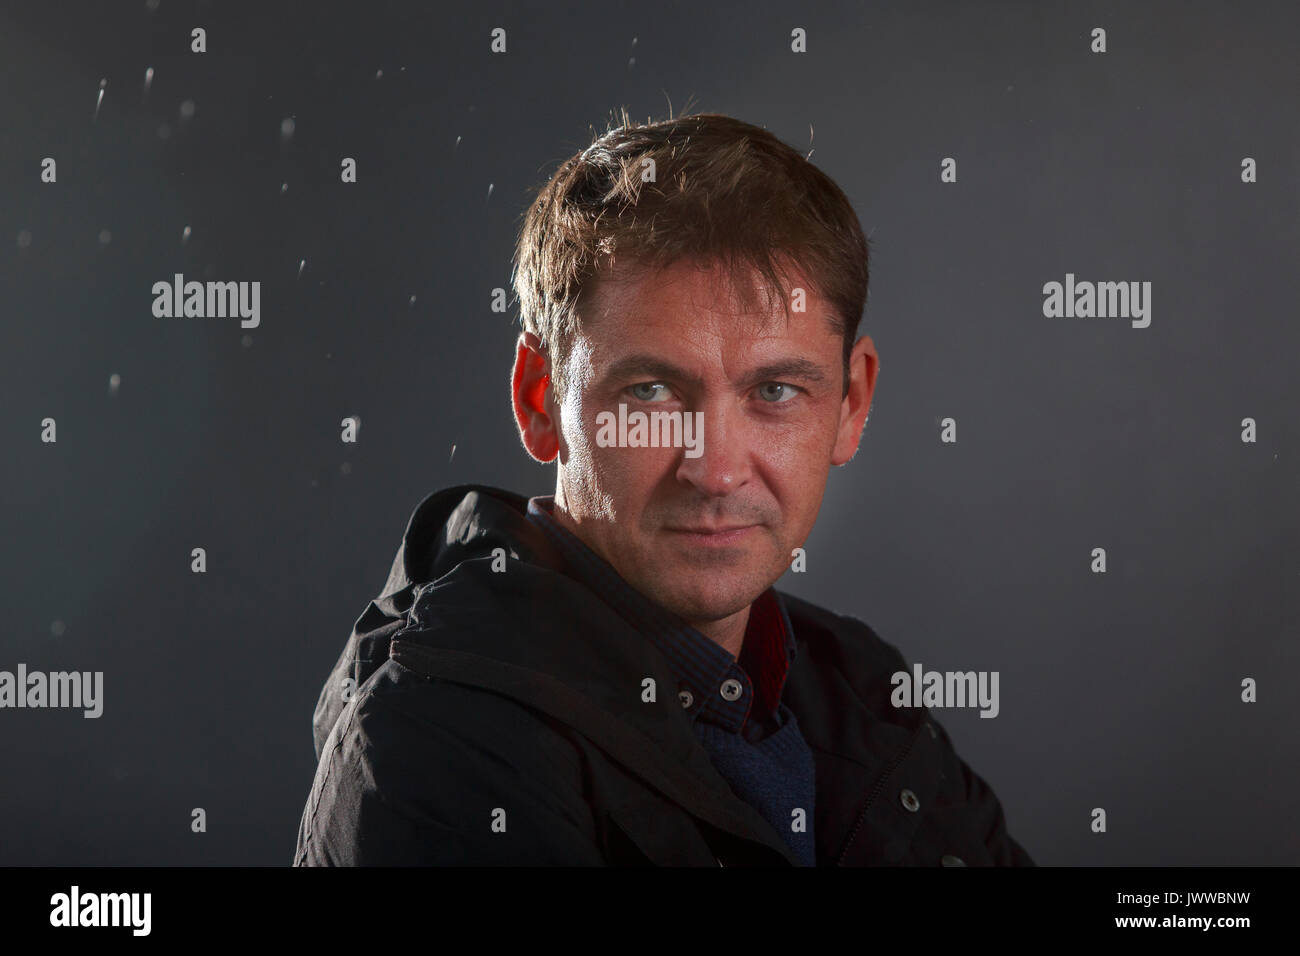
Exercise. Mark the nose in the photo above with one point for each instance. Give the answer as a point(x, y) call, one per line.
point(723, 463)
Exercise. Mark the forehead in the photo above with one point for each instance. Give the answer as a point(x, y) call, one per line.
point(705, 310)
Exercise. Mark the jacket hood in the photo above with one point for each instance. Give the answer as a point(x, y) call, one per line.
point(449, 526)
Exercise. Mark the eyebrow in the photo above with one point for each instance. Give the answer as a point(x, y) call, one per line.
point(658, 368)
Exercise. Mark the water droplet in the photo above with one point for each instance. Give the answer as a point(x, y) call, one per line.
point(187, 109)
point(105, 237)
point(185, 236)
point(453, 453)
point(379, 74)
point(457, 142)
point(99, 99)
point(284, 187)
point(114, 382)
point(24, 239)
point(57, 628)
point(489, 195)
point(287, 126)
point(412, 302)
point(148, 79)
point(302, 264)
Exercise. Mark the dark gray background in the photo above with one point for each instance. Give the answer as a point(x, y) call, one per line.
point(1119, 690)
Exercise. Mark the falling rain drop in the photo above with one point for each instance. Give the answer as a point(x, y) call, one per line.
point(412, 302)
point(185, 236)
point(302, 264)
point(148, 80)
point(24, 239)
point(57, 628)
point(453, 453)
point(187, 109)
point(286, 129)
point(100, 98)
point(105, 237)
point(379, 74)
point(284, 187)
point(489, 195)
point(457, 142)
point(114, 382)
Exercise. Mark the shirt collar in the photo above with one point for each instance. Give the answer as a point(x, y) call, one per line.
point(712, 685)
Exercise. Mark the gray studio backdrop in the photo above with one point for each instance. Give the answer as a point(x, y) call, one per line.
point(1120, 690)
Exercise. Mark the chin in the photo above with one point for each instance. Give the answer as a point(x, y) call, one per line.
point(707, 600)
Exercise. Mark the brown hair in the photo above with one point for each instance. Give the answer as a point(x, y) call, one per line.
point(723, 190)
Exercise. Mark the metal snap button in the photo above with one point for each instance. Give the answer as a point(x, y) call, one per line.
point(687, 698)
point(910, 801)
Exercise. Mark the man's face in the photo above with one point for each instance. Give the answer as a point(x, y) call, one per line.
point(703, 536)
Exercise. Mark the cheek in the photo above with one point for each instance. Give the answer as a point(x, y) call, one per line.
point(631, 477)
point(792, 453)
point(581, 471)
point(611, 483)
point(796, 467)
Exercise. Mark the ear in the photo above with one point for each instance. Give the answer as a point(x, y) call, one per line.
point(530, 387)
point(863, 366)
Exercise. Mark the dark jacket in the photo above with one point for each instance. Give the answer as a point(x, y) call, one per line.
point(482, 716)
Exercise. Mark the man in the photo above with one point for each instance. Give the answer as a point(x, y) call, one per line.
point(606, 676)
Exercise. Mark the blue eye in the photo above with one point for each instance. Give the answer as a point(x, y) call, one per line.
point(775, 399)
point(640, 395)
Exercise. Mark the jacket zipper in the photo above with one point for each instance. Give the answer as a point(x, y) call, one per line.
point(875, 792)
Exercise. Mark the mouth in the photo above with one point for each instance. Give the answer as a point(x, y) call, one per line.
point(713, 535)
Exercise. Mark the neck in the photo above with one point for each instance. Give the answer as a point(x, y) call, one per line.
point(728, 633)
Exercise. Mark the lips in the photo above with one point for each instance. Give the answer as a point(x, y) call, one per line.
point(718, 530)
point(713, 536)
